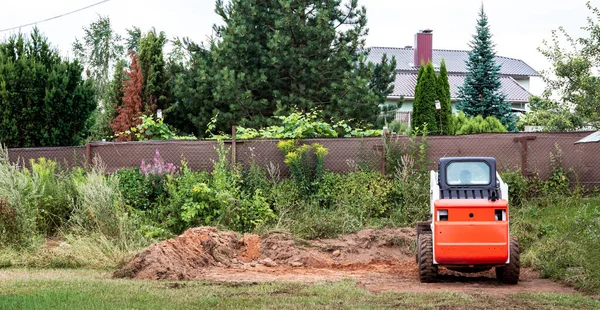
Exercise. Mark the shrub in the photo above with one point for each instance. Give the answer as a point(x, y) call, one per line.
point(559, 182)
point(18, 223)
point(413, 187)
point(559, 237)
point(145, 188)
point(218, 198)
point(54, 193)
point(306, 163)
point(370, 193)
point(469, 125)
point(517, 186)
point(131, 183)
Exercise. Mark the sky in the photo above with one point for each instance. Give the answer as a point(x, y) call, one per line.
point(518, 26)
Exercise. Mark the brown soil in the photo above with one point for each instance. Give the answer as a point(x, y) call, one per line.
point(378, 259)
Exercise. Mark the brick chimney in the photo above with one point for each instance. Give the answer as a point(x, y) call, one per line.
point(423, 46)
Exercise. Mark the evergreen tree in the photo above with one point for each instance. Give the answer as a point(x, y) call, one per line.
point(193, 86)
point(43, 99)
point(132, 42)
point(129, 114)
point(156, 94)
point(275, 57)
point(424, 111)
point(416, 108)
point(382, 83)
point(445, 116)
point(480, 94)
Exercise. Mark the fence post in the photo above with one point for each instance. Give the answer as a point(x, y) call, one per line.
point(88, 156)
point(383, 159)
point(233, 145)
point(524, 147)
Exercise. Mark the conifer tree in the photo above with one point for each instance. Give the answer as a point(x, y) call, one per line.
point(131, 111)
point(445, 116)
point(424, 111)
point(156, 92)
point(44, 100)
point(480, 94)
point(276, 57)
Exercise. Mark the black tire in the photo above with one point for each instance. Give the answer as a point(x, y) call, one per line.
point(510, 273)
point(427, 270)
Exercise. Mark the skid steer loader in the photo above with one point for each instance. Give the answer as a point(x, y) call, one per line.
point(468, 229)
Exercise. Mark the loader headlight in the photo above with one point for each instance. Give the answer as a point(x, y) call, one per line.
point(442, 215)
point(500, 215)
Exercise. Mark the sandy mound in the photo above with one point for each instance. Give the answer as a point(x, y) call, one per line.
point(190, 255)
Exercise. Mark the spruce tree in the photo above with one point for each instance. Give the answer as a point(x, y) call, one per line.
point(424, 111)
point(445, 116)
point(480, 94)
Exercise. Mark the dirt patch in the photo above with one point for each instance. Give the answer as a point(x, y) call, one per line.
point(378, 259)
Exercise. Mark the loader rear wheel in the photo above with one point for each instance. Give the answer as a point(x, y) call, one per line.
point(509, 274)
point(427, 270)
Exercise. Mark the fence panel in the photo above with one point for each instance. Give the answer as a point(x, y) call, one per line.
point(527, 151)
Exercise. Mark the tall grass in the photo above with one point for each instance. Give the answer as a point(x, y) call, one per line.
point(18, 226)
point(560, 237)
point(84, 212)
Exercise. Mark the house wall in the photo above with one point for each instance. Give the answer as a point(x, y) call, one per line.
point(524, 82)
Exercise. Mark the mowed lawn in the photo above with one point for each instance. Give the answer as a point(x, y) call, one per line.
point(91, 289)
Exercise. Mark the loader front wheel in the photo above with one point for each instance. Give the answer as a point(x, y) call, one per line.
point(509, 274)
point(427, 270)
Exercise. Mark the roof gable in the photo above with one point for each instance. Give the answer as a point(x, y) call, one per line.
point(455, 61)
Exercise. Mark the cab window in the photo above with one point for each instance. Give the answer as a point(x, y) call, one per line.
point(468, 173)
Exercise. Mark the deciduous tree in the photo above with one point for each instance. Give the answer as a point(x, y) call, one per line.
point(572, 76)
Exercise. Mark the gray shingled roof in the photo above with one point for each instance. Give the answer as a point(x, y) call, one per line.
point(455, 61)
point(405, 83)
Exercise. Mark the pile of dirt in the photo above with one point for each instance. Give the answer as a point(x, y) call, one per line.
point(379, 260)
point(192, 254)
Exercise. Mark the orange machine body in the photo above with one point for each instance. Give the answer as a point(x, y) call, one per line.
point(471, 233)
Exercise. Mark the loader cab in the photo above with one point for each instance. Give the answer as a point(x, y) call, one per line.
point(468, 178)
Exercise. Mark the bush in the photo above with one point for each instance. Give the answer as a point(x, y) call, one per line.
point(412, 185)
point(306, 163)
point(218, 198)
point(469, 125)
point(144, 188)
point(517, 187)
point(559, 237)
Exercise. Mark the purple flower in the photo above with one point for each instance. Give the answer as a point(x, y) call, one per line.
point(157, 167)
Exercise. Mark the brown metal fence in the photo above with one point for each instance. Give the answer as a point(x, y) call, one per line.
point(530, 153)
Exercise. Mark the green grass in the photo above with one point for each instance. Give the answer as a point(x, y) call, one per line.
point(89, 289)
point(560, 238)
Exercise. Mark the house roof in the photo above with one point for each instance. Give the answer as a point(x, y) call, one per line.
point(455, 61)
point(405, 82)
point(594, 137)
